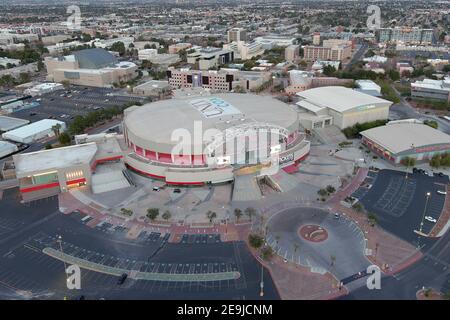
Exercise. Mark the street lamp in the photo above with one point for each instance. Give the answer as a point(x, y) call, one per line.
point(261, 293)
point(428, 194)
point(59, 240)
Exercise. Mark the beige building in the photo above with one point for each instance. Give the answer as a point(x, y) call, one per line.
point(210, 57)
point(177, 47)
point(339, 106)
point(90, 67)
point(237, 34)
point(292, 53)
point(223, 80)
point(332, 49)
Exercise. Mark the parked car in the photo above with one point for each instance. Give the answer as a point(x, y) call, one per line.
point(176, 190)
point(336, 215)
point(155, 188)
point(430, 219)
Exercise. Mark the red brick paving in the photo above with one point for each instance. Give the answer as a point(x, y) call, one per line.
point(444, 217)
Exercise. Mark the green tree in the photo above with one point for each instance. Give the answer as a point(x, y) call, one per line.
point(237, 214)
point(250, 212)
point(267, 253)
point(166, 215)
point(57, 129)
point(255, 241)
point(408, 161)
point(64, 138)
point(372, 218)
point(126, 212)
point(119, 47)
point(431, 123)
point(211, 215)
point(152, 213)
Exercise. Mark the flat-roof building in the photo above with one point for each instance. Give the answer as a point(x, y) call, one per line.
point(431, 89)
point(339, 106)
point(48, 172)
point(34, 131)
point(412, 139)
point(210, 57)
point(90, 67)
point(7, 148)
point(10, 123)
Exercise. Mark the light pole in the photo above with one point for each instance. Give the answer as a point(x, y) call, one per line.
point(428, 194)
point(59, 240)
point(261, 293)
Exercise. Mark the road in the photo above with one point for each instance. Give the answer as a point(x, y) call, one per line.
point(404, 110)
point(431, 271)
point(357, 56)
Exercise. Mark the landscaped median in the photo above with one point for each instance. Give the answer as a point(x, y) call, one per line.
point(137, 275)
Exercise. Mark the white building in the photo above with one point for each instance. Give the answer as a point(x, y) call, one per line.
point(339, 106)
point(147, 54)
point(376, 59)
point(33, 132)
point(245, 50)
point(7, 148)
point(368, 87)
point(320, 64)
point(431, 89)
point(43, 88)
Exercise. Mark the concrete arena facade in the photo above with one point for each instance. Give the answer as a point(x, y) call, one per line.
point(149, 133)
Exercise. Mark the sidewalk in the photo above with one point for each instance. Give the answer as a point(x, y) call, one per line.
point(443, 224)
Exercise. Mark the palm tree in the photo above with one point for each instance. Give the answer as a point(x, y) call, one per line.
point(250, 212)
point(211, 215)
point(296, 246)
point(237, 214)
point(56, 129)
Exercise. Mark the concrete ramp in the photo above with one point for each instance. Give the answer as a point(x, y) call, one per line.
point(109, 177)
point(330, 135)
point(246, 188)
point(284, 180)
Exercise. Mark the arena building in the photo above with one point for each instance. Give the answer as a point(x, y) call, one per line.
point(224, 132)
point(339, 106)
point(412, 139)
point(90, 67)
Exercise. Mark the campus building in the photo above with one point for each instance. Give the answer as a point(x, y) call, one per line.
point(245, 50)
point(339, 106)
point(412, 139)
point(407, 35)
point(210, 57)
point(236, 34)
point(334, 52)
point(431, 89)
point(90, 67)
point(222, 80)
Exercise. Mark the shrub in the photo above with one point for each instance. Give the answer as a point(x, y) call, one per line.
point(152, 213)
point(255, 241)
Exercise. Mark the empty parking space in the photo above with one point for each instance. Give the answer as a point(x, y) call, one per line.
point(400, 202)
point(77, 101)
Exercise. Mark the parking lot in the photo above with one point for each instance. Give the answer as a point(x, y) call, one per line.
point(400, 202)
point(77, 101)
point(27, 272)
